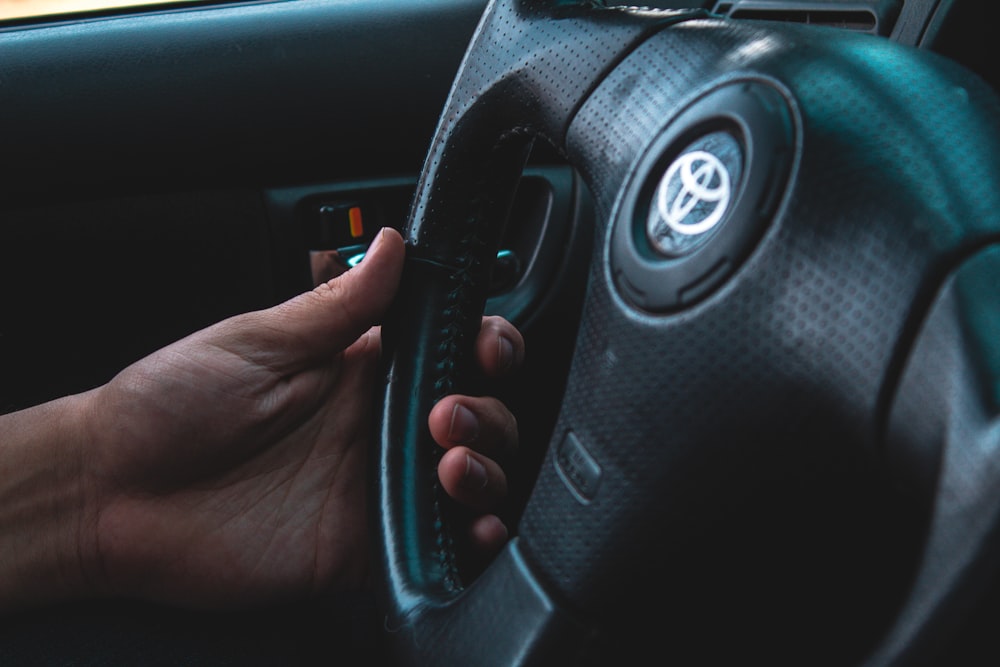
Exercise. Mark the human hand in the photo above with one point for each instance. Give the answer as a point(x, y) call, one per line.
point(229, 468)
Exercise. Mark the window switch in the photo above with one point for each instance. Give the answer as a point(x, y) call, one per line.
point(342, 224)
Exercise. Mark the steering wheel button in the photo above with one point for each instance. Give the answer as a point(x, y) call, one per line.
point(577, 468)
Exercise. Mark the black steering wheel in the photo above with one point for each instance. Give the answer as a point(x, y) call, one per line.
point(778, 439)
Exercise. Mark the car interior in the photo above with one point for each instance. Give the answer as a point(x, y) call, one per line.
point(772, 441)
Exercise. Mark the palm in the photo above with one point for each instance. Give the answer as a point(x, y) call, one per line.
point(250, 475)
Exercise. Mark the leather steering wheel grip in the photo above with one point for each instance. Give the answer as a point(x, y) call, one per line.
point(724, 427)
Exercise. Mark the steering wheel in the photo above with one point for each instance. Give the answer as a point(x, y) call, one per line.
point(779, 433)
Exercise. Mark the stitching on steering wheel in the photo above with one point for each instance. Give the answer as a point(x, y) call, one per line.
point(453, 333)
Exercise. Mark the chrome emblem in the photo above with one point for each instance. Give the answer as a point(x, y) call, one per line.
point(694, 194)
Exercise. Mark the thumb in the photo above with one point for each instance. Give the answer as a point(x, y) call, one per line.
point(327, 319)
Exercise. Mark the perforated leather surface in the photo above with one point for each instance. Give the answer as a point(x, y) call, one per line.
point(784, 373)
point(719, 456)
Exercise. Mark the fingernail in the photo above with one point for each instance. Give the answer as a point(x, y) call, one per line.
point(505, 353)
point(475, 473)
point(464, 426)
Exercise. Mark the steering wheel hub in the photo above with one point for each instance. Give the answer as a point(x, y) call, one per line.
point(702, 195)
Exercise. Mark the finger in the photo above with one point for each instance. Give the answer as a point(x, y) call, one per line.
point(499, 346)
point(367, 345)
point(472, 479)
point(327, 319)
point(488, 534)
point(482, 423)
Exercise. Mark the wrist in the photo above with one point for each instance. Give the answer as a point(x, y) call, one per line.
point(47, 522)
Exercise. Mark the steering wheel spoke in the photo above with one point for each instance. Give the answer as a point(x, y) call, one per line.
point(944, 443)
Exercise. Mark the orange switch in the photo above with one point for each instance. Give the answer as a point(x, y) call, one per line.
point(357, 227)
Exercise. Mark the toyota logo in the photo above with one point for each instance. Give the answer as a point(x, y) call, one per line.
point(694, 194)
